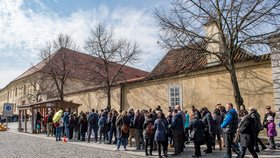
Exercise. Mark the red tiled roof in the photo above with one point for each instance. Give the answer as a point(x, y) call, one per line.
point(81, 66)
point(184, 59)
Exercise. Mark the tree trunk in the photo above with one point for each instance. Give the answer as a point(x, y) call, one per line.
point(109, 98)
point(236, 91)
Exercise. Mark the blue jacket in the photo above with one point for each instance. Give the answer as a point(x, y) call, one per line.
point(228, 118)
point(102, 122)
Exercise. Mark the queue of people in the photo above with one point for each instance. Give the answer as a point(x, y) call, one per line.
point(152, 130)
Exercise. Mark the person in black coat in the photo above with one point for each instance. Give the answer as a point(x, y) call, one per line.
point(247, 134)
point(259, 127)
point(209, 128)
point(83, 126)
point(197, 134)
point(71, 126)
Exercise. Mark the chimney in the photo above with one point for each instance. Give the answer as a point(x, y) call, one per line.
point(213, 44)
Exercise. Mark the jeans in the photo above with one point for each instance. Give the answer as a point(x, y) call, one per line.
point(66, 130)
point(49, 129)
point(95, 130)
point(123, 141)
point(58, 133)
point(139, 139)
point(111, 133)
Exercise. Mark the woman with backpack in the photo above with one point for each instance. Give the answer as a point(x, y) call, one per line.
point(122, 125)
point(148, 133)
point(160, 127)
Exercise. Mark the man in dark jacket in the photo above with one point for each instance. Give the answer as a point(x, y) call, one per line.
point(268, 113)
point(229, 126)
point(138, 122)
point(259, 127)
point(92, 125)
point(247, 135)
point(209, 129)
point(178, 128)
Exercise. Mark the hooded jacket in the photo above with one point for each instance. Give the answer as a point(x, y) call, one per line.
point(230, 122)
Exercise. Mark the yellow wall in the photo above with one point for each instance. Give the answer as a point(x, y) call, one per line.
point(206, 89)
point(95, 99)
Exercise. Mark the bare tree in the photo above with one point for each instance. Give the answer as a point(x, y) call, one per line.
point(39, 83)
point(60, 67)
point(232, 26)
point(114, 54)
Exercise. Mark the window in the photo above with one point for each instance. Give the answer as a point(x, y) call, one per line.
point(175, 96)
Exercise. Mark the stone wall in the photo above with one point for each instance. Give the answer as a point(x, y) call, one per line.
point(275, 64)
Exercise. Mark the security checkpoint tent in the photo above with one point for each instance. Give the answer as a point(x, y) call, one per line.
point(43, 108)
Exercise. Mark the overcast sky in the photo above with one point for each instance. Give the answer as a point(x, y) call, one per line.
point(25, 26)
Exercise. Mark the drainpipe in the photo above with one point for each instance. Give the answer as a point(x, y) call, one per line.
point(122, 96)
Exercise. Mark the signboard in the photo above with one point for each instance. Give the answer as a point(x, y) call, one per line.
point(8, 109)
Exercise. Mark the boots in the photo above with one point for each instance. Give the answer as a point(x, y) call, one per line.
point(220, 145)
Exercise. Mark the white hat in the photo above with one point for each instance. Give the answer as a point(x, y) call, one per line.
point(269, 118)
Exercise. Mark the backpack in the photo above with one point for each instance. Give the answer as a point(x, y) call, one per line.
point(92, 119)
point(150, 129)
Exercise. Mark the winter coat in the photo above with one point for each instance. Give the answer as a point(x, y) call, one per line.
point(197, 129)
point(177, 122)
point(247, 132)
point(208, 121)
point(255, 115)
point(83, 124)
point(271, 129)
point(217, 119)
point(93, 120)
point(146, 123)
point(138, 122)
point(230, 122)
point(102, 122)
point(119, 122)
point(160, 128)
point(71, 122)
point(77, 123)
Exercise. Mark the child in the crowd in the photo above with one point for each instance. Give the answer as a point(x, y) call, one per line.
point(38, 126)
point(271, 132)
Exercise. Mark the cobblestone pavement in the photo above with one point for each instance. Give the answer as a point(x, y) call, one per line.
point(22, 145)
